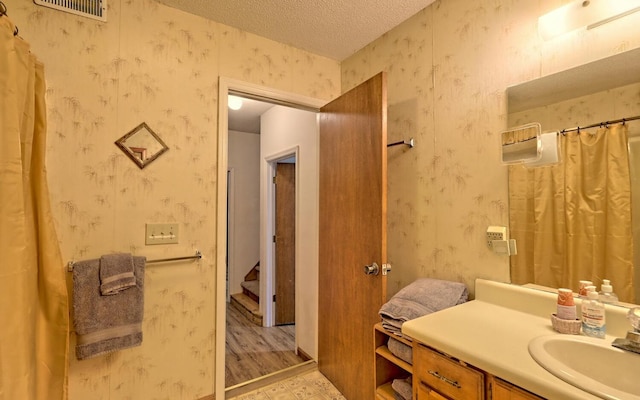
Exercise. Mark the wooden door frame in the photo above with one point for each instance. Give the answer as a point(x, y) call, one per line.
point(285, 98)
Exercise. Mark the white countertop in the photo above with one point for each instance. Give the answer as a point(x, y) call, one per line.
point(493, 331)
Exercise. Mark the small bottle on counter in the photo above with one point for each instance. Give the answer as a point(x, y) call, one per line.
point(593, 314)
point(582, 288)
point(606, 292)
point(566, 305)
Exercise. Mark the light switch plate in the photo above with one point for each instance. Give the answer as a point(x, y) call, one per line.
point(161, 233)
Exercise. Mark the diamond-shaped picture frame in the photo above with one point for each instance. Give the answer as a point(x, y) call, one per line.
point(142, 145)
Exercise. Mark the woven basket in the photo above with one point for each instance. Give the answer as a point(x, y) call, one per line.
point(570, 326)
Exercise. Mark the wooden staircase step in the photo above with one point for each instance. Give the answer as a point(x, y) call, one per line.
point(248, 307)
point(251, 289)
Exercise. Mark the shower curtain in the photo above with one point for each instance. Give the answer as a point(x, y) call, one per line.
point(34, 318)
point(572, 221)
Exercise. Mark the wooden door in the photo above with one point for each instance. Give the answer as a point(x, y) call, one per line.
point(353, 233)
point(285, 228)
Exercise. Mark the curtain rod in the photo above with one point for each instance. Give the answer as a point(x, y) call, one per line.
point(197, 256)
point(600, 124)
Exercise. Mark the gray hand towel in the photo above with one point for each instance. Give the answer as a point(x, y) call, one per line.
point(400, 350)
point(116, 273)
point(402, 388)
point(104, 324)
point(423, 296)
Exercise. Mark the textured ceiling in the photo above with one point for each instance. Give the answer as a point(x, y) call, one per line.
point(331, 28)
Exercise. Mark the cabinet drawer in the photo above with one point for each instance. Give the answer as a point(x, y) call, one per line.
point(446, 375)
point(426, 393)
point(502, 390)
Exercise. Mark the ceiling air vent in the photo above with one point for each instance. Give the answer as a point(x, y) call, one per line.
point(96, 9)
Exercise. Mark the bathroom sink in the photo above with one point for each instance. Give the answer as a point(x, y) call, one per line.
point(590, 364)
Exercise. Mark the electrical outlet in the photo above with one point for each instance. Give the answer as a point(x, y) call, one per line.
point(161, 233)
point(496, 233)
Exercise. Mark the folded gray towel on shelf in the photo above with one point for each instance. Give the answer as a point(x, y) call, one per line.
point(392, 325)
point(116, 273)
point(421, 297)
point(403, 388)
point(400, 350)
point(104, 324)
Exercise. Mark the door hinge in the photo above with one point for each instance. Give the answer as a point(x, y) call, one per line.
point(274, 298)
point(274, 180)
point(274, 238)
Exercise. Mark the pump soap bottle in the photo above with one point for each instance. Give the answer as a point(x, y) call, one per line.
point(606, 292)
point(593, 315)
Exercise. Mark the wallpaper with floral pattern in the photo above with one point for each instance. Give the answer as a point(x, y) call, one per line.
point(149, 63)
point(448, 69)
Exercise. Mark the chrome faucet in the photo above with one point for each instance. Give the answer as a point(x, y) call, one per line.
point(632, 341)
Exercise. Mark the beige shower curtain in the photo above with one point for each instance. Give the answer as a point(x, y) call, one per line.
point(34, 321)
point(572, 221)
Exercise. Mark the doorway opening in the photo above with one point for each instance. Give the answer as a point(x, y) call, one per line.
point(269, 156)
point(352, 146)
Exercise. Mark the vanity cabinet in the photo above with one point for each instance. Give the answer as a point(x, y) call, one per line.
point(438, 376)
point(501, 390)
point(387, 366)
point(423, 392)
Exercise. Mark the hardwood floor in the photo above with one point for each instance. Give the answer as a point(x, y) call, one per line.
point(253, 351)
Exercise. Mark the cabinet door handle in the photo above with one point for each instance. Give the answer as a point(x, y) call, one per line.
point(445, 379)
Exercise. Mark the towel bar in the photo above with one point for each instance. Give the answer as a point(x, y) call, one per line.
point(197, 256)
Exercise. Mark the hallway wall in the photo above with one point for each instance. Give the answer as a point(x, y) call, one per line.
point(244, 249)
point(284, 130)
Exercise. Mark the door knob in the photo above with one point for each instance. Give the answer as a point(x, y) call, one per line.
point(372, 269)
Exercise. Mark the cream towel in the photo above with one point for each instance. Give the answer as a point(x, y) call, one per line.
point(104, 324)
point(116, 273)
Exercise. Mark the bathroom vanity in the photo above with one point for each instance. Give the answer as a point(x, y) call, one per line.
point(440, 376)
point(437, 375)
point(480, 349)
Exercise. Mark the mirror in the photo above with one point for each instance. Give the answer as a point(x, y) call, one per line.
point(604, 90)
point(521, 144)
point(142, 145)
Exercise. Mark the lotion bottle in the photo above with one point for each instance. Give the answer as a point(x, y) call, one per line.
point(593, 315)
point(606, 292)
point(566, 308)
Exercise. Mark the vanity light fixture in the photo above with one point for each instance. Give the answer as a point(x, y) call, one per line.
point(234, 102)
point(587, 14)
